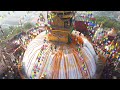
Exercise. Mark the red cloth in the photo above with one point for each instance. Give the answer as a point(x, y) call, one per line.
point(80, 25)
point(92, 18)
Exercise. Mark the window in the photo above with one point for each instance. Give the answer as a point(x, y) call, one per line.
point(66, 24)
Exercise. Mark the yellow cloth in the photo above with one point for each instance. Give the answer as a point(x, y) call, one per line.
point(52, 15)
point(117, 56)
point(49, 16)
point(89, 12)
point(112, 47)
point(116, 44)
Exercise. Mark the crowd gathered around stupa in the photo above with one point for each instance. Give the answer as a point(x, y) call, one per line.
point(106, 45)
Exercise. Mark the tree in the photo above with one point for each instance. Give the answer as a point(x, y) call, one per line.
point(108, 22)
point(28, 25)
point(11, 27)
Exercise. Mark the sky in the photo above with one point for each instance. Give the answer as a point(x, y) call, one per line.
point(14, 18)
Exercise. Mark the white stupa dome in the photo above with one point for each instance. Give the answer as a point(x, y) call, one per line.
point(67, 61)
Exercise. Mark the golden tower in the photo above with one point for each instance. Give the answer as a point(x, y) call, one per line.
point(61, 25)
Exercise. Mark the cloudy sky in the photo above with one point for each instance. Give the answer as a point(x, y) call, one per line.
point(13, 18)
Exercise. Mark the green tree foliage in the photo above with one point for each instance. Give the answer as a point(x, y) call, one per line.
point(11, 28)
point(28, 25)
point(108, 22)
point(15, 30)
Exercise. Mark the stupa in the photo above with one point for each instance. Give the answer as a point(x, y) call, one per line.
point(59, 52)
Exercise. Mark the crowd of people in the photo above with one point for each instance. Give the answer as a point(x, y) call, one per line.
point(105, 45)
point(109, 49)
